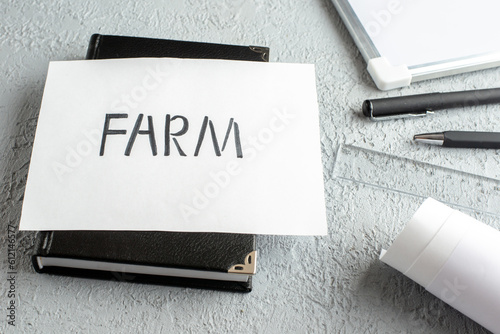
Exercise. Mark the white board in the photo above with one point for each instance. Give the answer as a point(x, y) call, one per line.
point(404, 41)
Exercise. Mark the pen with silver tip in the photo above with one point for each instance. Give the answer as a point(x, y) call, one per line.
point(463, 139)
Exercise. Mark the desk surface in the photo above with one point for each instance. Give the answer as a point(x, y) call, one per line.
point(332, 284)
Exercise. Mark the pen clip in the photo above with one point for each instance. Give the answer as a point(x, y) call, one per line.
point(399, 116)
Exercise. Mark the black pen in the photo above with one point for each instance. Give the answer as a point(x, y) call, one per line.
point(421, 105)
point(463, 139)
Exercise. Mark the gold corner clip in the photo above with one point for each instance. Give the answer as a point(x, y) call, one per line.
point(249, 268)
point(264, 55)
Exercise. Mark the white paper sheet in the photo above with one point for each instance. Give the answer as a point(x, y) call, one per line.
point(266, 179)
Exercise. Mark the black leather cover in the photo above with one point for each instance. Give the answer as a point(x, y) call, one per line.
point(109, 46)
point(201, 251)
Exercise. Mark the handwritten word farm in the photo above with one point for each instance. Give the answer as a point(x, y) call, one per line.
point(171, 136)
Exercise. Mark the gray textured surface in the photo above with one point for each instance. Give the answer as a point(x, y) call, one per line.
point(332, 284)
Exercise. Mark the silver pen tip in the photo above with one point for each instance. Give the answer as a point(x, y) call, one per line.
point(430, 138)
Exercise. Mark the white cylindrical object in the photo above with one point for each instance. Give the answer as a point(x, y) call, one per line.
point(455, 257)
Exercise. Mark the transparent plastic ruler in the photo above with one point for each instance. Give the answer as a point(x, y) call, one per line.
point(384, 171)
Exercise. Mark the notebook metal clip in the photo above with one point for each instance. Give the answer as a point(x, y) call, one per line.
point(249, 268)
point(264, 54)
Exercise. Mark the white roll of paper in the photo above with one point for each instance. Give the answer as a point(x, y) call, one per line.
point(455, 257)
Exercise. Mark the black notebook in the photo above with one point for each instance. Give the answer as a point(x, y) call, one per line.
point(203, 260)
